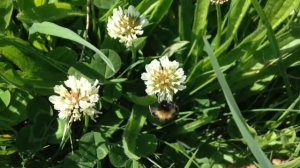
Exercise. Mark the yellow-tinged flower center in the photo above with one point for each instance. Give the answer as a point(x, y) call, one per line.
point(163, 79)
point(129, 23)
point(73, 96)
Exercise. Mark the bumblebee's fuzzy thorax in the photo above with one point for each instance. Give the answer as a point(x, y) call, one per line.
point(164, 110)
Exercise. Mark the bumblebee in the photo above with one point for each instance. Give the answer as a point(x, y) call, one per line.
point(164, 110)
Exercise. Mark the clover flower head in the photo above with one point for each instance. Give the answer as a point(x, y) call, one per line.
point(218, 1)
point(126, 24)
point(163, 78)
point(75, 98)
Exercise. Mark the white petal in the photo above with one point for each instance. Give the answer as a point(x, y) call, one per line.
point(126, 24)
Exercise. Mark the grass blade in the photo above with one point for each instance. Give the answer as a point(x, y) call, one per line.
point(235, 111)
point(185, 19)
point(274, 44)
point(175, 147)
point(56, 30)
point(189, 163)
point(238, 10)
point(291, 164)
point(199, 25)
point(135, 123)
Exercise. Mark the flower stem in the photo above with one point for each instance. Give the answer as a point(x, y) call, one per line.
point(87, 27)
point(133, 51)
point(86, 123)
point(133, 59)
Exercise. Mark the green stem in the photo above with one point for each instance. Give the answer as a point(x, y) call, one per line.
point(133, 59)
point(94, 21)
point(133, 55)
point(86, 123)
point(99, 164)
point(87, 25)
point(217, 39)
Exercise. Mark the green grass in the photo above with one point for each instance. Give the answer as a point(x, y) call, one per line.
point(240, 105)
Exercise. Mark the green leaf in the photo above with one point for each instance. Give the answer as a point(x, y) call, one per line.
point(112, 92)
point(39, 111)
point(5, 97)
point(83, 70)
point(139, 43)
point(77, 161)
point(26, 5)
point(26, 67)
point(35, 135)
point(56, 30)
point(15, 112)
point(30, 138)
point(174, 48)
point(92, 146)
point(185, 19)
point(57, 131)
point(274, 45)
point(199, 122)
point(63, 55)
point(6, 9)
point(48, 12)
point(290, 164)
point(278, 10)
point(100, 66)
point(145, 5)
point(199, 25)
point(189, 163)
point(237, 12)
point(141, 100)
point(134, 164)
point(117, 156)
point(104, 4)
point(280, 120)
point(135, 123)
point(7, 144)
point(160, 10)
point(235, 111)
point(209, 113)
point(28, 81)
point(23, 55)
point(146, 144)
point(179, 149)
point(39, 41)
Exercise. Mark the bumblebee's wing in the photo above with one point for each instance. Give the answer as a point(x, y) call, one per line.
point(152, 110)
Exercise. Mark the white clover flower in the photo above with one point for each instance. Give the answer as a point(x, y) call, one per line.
point(163, 78)
point(75, 98)
point(218, 1)
point(126, 25)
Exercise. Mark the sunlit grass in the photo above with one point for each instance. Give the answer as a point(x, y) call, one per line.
point(240, 106)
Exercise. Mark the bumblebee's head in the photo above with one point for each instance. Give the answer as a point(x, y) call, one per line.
point(167, 106)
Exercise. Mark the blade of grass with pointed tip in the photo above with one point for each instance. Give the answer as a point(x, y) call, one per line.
point(237, 12)
point(274, 44)
point(189, 163)
point(56, 30)
point(175, 147)
point(235, 111)
point(160, 10)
